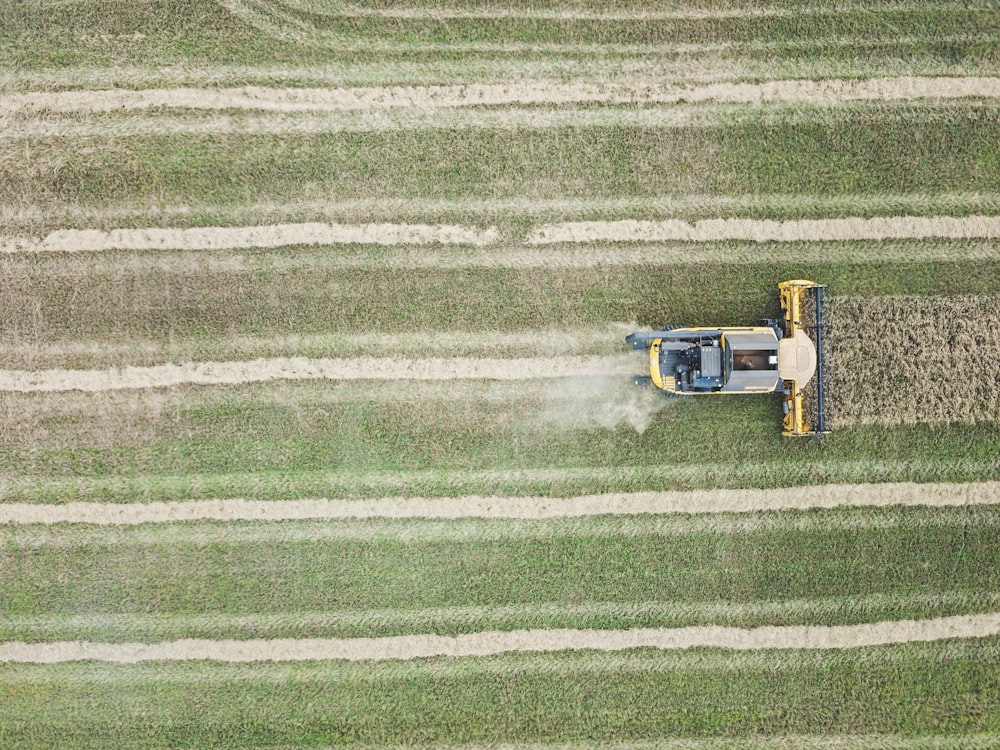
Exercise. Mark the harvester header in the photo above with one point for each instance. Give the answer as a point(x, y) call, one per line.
point(786, 355)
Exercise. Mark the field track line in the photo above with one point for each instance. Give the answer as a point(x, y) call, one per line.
point(302, 368)
point(702, 69)
point(530, 117)
point(902, 88)
point(226, 238)
point(354, 10)
point(487, 210)
point(563, 256)
point(765, 230)
point(531, 508)
point(499, 642)
point(669, 230)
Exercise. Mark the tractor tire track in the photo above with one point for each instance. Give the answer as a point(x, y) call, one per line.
point(489, 643)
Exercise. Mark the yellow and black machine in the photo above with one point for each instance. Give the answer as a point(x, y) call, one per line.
point(755, 359)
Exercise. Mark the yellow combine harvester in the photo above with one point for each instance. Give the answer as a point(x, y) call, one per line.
point(755, 359)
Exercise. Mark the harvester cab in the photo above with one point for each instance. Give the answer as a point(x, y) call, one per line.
point(786, 355)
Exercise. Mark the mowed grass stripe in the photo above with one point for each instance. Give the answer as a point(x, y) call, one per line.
point(429, 531)
point(919, 464)
point(564, 435)
point(623, 694)
point(499, 642)
point(953, 149)
point(244, 30)
point(513, 215)
point(205, 297)
point(415, 564)
point(396, 120)
point(717, 501)
point(666, 65)
point(454, 620)
point(542, 92)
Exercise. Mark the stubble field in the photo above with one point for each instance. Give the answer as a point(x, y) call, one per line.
point(318, 425)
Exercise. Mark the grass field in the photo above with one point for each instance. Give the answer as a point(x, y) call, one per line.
point(318, 424)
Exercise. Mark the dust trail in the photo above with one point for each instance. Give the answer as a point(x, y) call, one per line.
point(534, 508)
point(227, 238)
point(910, 360)
point(301, 368)
point(766, 230)
point(902, 88)
point(604, 401)
point(489, 643)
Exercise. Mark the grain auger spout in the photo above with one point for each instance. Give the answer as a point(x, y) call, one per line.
point(786, 355)
point(801, 358)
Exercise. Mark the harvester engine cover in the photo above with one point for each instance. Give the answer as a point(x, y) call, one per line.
point(778, 355)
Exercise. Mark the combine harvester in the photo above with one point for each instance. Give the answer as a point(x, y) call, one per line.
point(758, 359)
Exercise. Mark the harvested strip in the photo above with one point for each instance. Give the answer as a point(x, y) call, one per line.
point(496, 642)
point(556, 482)
point(763, 230)
point(529, 92)
point(220, 238)
point(638, 503)
point(584, 340)
point(301, 368)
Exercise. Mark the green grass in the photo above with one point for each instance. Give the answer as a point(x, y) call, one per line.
point(794, 555)
point(862, 150)
point(154, 34)
point(284, 441)
point(293, 292)
point(919, 689)
point(289, 430)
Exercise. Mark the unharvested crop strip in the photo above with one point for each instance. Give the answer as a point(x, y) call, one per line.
point(903, 88)
point(529, 508)
point(500, 642)
point(765, 230)
point(302, 368)
point(945, 372)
